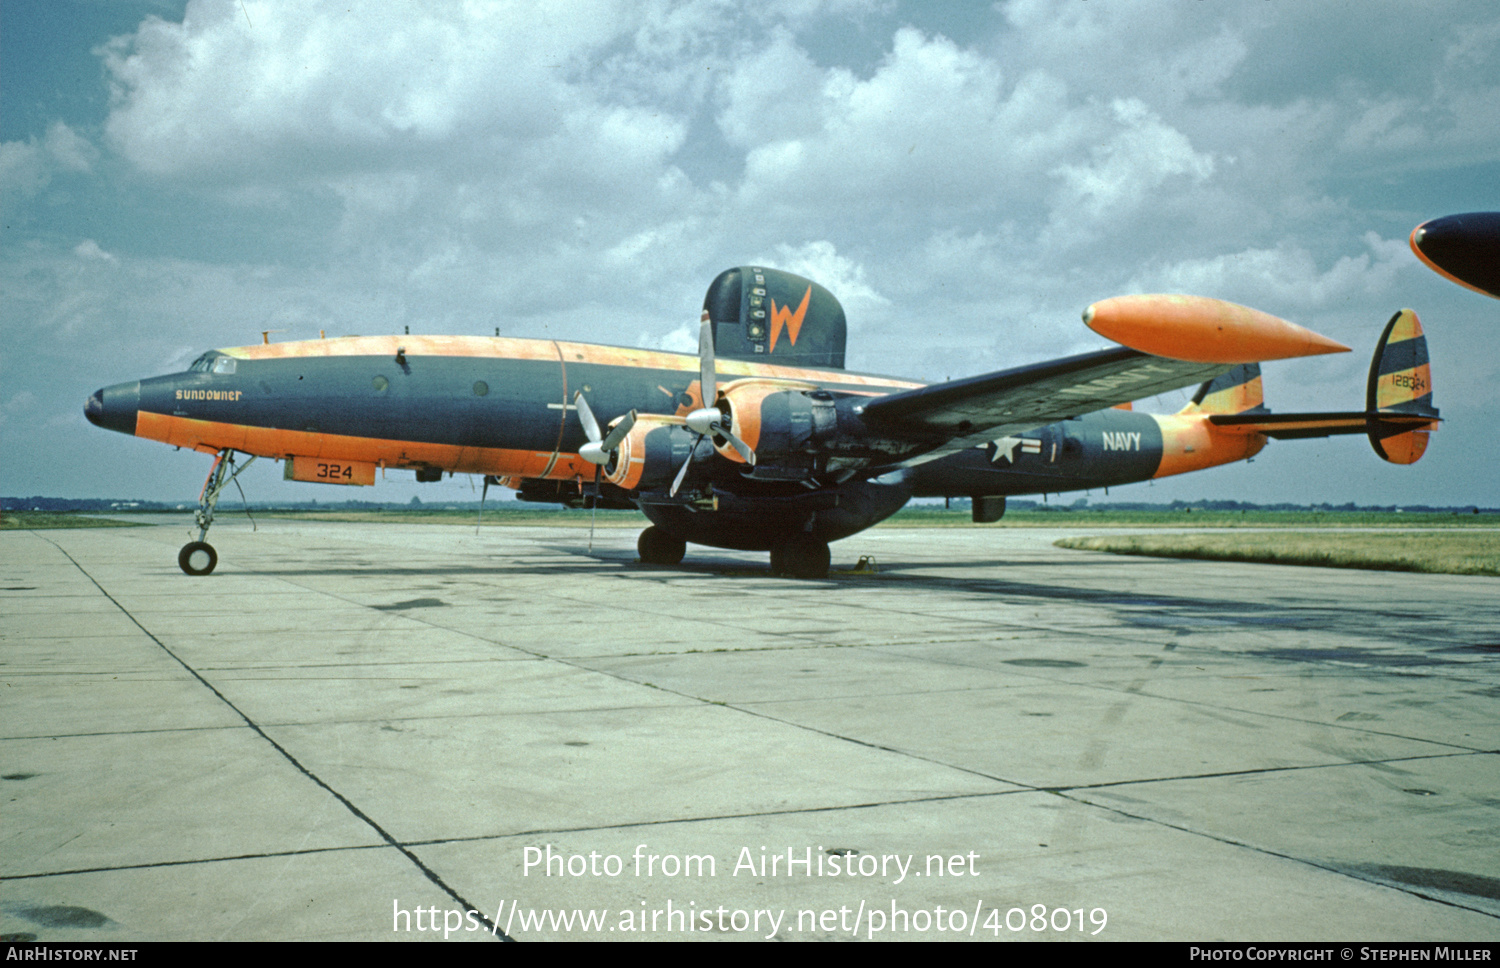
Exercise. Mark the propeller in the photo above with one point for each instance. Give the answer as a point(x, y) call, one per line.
point(600, 448)
point(709, 420)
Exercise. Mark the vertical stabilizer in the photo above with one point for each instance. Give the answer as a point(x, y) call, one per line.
point(771, 316)
point(1400, 383)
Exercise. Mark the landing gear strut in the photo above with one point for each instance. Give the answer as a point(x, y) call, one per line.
point(199, 557)
point(801, 557)
point(657, 547)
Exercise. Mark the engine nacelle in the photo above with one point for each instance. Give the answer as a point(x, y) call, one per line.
point(651, 454)
point(797, 430)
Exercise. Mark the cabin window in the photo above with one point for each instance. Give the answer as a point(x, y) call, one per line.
point(481, 388)
point(223, 364)
point(380, 383)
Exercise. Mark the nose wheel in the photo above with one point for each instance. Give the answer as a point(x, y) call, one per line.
point(199, 557)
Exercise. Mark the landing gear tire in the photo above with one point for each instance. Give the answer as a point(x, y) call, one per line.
point(656, 547)
point(197, 558)
point(804, 558)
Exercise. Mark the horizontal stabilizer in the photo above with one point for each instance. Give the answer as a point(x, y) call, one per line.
point(1398, 412)
point(1298, 426)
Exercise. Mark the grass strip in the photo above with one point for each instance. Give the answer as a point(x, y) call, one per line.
point(42, 520)
point(1437, 552)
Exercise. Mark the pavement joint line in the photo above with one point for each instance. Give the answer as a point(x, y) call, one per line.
point(1112, 783)
point(1108, 688)
point(348, 804)
point(749, 712)
point(577, 663)
point(1266, 770)
point(1232, 842)
point(190, 862)
point(717, 817)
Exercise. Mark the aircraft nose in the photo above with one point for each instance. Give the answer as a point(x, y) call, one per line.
point(115, 408)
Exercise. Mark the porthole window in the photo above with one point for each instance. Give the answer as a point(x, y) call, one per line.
point(380, 383)
point(481, 388)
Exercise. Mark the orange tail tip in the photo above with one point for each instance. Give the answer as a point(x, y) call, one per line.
point(1198, 329)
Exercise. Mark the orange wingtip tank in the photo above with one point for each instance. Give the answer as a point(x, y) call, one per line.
point(1203, 330)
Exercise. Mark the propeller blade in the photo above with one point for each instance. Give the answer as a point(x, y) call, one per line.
point(740, 446)
point(707, 382)
point(586, 417)
point(682, 474)
point(621, 429)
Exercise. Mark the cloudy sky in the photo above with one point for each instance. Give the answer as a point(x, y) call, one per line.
point(966, 178)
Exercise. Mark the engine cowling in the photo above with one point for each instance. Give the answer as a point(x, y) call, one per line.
point(651, 454)
point(797, 430)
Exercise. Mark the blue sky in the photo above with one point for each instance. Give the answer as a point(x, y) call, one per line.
point(180, 176)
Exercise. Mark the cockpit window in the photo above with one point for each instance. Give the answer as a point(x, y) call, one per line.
point(213, 362)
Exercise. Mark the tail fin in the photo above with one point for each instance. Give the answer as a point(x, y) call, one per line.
point(1238, 391)
point(1400, 384)
point(772, 316)
point(1398, 412)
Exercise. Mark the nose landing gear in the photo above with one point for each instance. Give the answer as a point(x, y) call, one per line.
point(199, 557)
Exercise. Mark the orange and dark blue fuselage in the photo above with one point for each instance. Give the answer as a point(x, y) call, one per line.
point(501, 407)
point(790, 452)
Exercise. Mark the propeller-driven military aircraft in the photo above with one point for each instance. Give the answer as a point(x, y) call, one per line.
point(1463, 248)
point(763, 442)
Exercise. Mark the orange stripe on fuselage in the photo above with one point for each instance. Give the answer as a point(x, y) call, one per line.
point(212, 436)
point(1191, 443)
point(209, 435)
point(500, 347)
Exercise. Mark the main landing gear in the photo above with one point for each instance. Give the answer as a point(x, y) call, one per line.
point(199, 557)
point(657, 547)
point(801, 557)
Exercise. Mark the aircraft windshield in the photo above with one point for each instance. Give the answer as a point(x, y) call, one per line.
point(213, 362)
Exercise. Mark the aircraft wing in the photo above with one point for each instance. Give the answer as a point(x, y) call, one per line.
point(1169, 342)
point(966, 413)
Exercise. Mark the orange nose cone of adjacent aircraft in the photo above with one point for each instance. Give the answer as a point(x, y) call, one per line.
point(1202, 330)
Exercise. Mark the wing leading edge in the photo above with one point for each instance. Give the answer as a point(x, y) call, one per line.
point(1170, 342)
point(965, 413)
